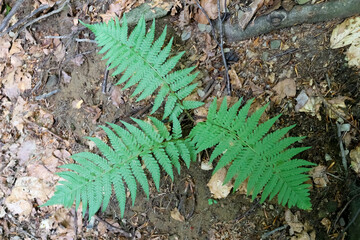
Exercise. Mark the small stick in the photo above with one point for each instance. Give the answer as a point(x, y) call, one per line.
point(106, 74)
point(208, 18)
point(341, 147)
point(11, 13)
point(76, 39)
point(36, 11)
point(125, 234)
point(228, 86)
point(268, 234)
point(46, 15)
point(46, 95)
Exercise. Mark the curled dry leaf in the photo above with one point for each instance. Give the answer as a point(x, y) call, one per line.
point(319, 176)
point(353, 54)
point(346, 33)
point(175, 214)
point(24, 192)
point(216, 184)
point(285, 88)
point(292, 220)
point(355, 159)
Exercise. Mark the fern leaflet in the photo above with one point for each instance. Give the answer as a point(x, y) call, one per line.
point(146, 64)
point(93, 177)
point(253, 153)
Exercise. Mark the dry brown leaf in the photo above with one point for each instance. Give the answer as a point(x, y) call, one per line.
point(115, 11)
point(66, 77)
point(292, 220)
point(78, 60)
point(175, 214)
point(117, 96)
point(5, 44)
point(346, 33)
point(59, 52)
point(25, 151)
point(77, 103)
point(353, 54)
point(355, 159)
point(24, 192)
point(285, 88)
point(319, 176)
point(247, 16)
point(211, 8)
point(216, 184)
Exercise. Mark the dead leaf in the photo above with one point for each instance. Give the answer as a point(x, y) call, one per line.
point(77, 103)
point(115, 11)
point(355, 159)
point(4, 47)
point(235, 80)
point(319, 176)
point(216, 184)
point(337, 103)
point(66, 77)
point(24, 192)
point(353, 54)
point(247, 16)
point(210, 6)
point(285, 88)
point(25, 151)
point(78, 60)
point(345, 33)
point(117, 96)
point(175, 214)
point(292, 220)
point(59, 52)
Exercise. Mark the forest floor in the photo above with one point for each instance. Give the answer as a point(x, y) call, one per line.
point(51, 98)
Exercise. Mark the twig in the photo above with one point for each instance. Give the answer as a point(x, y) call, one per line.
point(351, 222)
point(125, 234)
point(36, 11)
point(268, 234)
point(344, 208)
point(228, 86)
point(11, 13)
point(341, 147)
point(46, 15)
point(46, 95)
point(69, 36)
point(209, 20)
point(106, 75)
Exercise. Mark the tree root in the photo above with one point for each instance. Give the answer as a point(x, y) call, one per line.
point(299, 14)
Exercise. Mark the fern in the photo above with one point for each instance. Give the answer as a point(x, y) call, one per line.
point(254, 153)
point(146, 64)
point(239, 141)
point(93, 177)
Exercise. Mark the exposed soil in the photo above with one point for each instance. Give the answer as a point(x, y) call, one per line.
point(313, 65)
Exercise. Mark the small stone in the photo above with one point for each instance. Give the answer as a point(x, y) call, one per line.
point(328, 157)
point(265, 56)
point(301, 2)
point(52, 81)
point(204, 27)
point(342, 222)
point(185, 35)
point(200, 92)
point(275, 44)
point(271, 207)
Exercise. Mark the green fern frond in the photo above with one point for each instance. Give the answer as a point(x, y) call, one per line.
point(254, 153)
point(147, 65)
point(131, 150)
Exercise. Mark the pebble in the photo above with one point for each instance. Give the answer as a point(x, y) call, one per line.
point(200, 92)
point(52, 81)
point(342, 222)
point(265, 56)
point(204, 27)
point(185, 35)
point(275, 44)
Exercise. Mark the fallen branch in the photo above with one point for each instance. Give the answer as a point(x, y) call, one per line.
point(298, 15)
point(11, 13)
